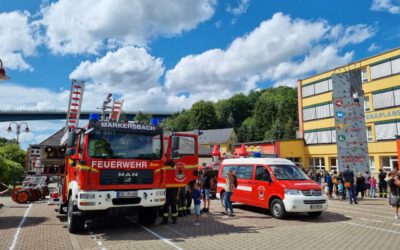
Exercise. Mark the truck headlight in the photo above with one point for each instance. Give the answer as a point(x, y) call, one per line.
point(292, 191)
point(87, 196)
point(159, 193)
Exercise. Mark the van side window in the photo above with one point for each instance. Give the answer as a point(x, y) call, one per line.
point(262, 174)
point(242, 172)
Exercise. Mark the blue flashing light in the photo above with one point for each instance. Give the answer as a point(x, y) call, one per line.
point(257, 155)
point(94, 116)
point(154, 121)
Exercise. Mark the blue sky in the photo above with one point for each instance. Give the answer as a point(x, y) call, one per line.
point(166, 55)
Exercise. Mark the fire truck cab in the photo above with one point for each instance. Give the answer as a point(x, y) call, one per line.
point(123, 168)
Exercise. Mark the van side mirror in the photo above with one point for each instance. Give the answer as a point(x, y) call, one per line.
point(175, 143)
point(175, 154)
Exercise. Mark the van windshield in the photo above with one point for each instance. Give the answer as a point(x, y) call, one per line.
point(288, 172)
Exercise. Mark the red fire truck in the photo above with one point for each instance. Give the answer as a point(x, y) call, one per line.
point(122, 168)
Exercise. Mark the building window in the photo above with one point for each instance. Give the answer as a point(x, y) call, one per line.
point(367, 104)
point(389, 162)
point(372, 164)
point(318, 112)
point(369, 134)
point(317, 163)
point(320, 137)
point(387, 68)
point(334, 163)
point(364, 75)
point(317, 88)
point(387, 131)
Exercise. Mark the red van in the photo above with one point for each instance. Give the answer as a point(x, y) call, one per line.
point(272, 183)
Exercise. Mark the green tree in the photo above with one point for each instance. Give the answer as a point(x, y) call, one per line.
point(203, 115)
point(142, 117)
point(223, 111)
point(247, 132)
point(275, 106)
point(11, 163)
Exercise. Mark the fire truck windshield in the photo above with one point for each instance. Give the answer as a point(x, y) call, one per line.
point(116, 144)
point(288, 172)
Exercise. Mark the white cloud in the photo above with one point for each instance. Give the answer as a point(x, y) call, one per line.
point(127, 69)
point(75, 26)
point(18, 39)
point(373, 47)
point(241, 7)
point(279, 48)
point(391, 6)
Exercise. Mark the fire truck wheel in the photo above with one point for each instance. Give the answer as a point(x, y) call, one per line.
point(61, 209)
point(76, 223)
point(315, 214)
point(22, 196)
point(277, 209)
point(223, 199)
point(147, 215)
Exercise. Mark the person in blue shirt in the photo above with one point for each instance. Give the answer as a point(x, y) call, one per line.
point(197, 203)
point(340, 190)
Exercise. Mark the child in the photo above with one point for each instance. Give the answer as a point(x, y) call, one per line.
point(340, 190)
point(372, 188)
point(197, 202)
point(326, 190)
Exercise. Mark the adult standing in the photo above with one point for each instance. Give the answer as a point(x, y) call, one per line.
point(329, 183)
point(367, 177)
point(348, 177)
point(360, 184)
point(394, 185)
point(382, 184)
point(171, 197)
point(206, 190)
point(229, 188)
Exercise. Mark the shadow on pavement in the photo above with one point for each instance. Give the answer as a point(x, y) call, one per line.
point(7, 222)
point(125, 228)
point(326, 216)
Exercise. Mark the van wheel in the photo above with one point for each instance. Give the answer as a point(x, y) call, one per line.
point(314, 214)
point(76, 223)
point(223, 199)
point(277, 209)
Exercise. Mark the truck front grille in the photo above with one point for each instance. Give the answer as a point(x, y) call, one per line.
point(314, 201)
point(118, 177)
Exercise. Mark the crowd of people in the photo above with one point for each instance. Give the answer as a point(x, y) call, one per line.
point(179, 201)
point(347, 185)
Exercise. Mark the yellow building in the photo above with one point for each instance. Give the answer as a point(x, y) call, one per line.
point(380, 76)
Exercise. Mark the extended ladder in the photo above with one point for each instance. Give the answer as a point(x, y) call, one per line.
point(75, 104)
point(116, 110)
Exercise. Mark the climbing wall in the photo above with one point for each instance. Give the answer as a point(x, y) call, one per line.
point(350, 121)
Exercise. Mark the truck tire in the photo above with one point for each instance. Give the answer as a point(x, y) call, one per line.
point(147, 215)
point(314, 214)
point(277, 209)
point(76, 223)
point(61, 209)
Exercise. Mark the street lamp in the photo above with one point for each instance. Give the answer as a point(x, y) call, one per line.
point(3, 75)
point(18, 128)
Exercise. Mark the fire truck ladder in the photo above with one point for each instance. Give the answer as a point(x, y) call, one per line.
point(75, 104)
point(116, 110)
